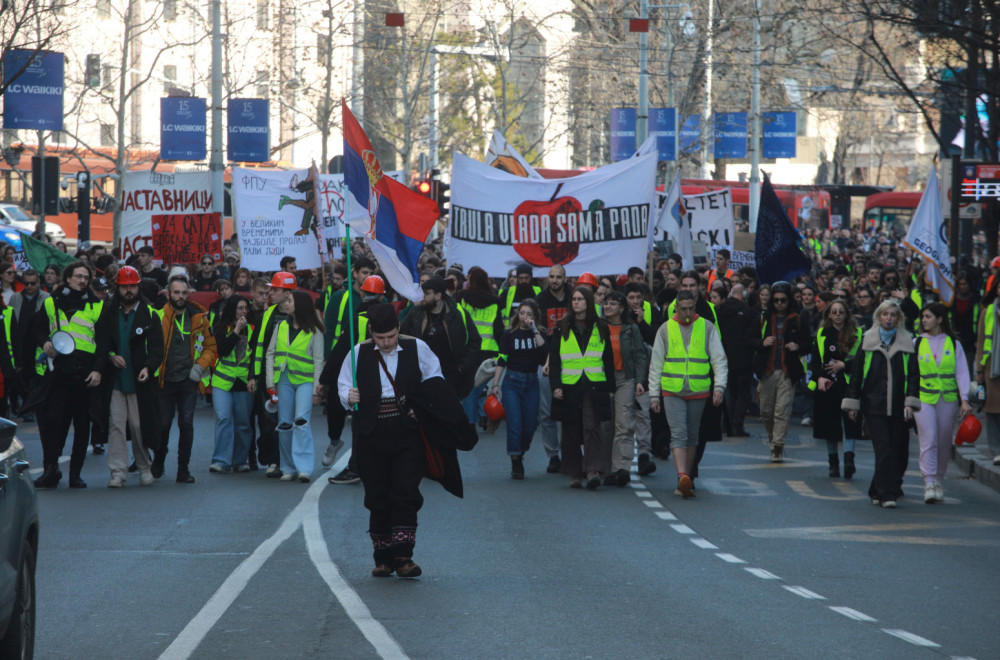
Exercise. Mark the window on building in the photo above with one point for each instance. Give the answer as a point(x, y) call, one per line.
point(92, 73)
point(263, 84)
point(103, 8)
point(322, 47)
point(262, 17)
point(108, 78)
point(169, 78)
point(58, 7)
point(170, 10)
point(107, 135)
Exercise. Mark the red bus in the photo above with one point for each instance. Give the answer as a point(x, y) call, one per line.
point(808, 207)
point(894, 210)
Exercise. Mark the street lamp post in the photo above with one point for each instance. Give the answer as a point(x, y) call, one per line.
point(687, 28)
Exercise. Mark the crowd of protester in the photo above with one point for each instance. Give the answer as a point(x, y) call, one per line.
point(860, 349)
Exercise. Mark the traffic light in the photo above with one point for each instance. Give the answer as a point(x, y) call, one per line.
point(92, 77)
point(439, 192)
point(423, 187)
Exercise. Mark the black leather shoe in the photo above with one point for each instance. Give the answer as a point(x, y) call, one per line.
point(621, 478)
point(646, 466)
point(156, 469)
point(76, 482)
point(49, 479)
point(554, 465)
point(184, 477)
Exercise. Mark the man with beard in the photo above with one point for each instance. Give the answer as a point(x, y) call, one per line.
point(137, 349)
point(188, 353)
point(522, 289)
point(553, 304)
point(74, 310)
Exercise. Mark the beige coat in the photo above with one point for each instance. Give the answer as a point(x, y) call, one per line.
point(992, 384)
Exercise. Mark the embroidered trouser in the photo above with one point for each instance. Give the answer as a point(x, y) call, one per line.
point(391, 464)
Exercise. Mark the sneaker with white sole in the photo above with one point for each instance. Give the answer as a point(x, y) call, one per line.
point(929, 495)
point(242, 468)
point(303, 477)
point(146, 478)
point(330, 455)
point(996, 460)
point(218, 468)
point(273, 471)
point(889, 504)
point(938, 492)
point(288, 476)
point(116, 482)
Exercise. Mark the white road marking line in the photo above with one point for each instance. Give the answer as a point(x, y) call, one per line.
point(637, 485)
point(374, 632)
point(916, 640)
point(852, 614)
point(803, 592)
point(665, 515)
point(704, 544)
point(762, 574)
point(652, 504)
point(187, 642)
point(643, 493)
point(732, 559)
point(682, 529)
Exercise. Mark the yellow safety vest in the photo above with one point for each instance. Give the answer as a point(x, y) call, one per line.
point(937, 380)
point(296, 356)
point(8, 318)
point(510, 301)
point(691, 364)
point(647, 312)
point(673, 306)
point(576, 363)
point(988, 332)
point(228, 369)
point(258, 353)
point(821, 345)
point(483, 318)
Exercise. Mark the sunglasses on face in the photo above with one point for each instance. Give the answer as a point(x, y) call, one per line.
point(780, 300)
point(208, 263)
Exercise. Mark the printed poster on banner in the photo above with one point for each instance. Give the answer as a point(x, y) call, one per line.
point(332, 195)
point(273, 214)
point(596, 221)
point(710, 216)
point(155, 204)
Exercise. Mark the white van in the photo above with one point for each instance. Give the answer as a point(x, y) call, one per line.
point(13, 216)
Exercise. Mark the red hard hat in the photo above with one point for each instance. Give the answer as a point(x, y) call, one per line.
point(494, 409)
point(283, 280)
point(995, 263)
point(587, 278)
point(127, 275)
point(968, 430)
point(373, 284)
point(622, 280)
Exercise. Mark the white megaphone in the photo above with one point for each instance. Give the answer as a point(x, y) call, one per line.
point(63, 343)
point(271, 405)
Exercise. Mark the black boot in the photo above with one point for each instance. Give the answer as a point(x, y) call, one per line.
point(75, 481)
point(834, 465)
point(50, 478)
point(849, 468)
point(516, 467)
point(157, 466)
point(184, 475)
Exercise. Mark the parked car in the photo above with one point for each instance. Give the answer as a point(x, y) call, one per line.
point(18, 547)
point(12, 215)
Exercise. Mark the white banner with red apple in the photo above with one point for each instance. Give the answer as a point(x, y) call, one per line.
point(595, 222)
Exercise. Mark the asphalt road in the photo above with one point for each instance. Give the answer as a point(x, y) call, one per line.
point(769, 561)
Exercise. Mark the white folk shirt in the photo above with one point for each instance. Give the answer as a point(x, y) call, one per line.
point(430, 367)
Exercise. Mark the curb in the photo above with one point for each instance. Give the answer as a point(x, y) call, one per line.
point(979, 466)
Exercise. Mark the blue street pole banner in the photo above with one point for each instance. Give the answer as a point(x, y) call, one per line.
point(249, 131)
point(622, 133)
point(34, 96)
point(730, 132)
point(663, 124)
point(779, 134)
point(690, 139)
point(182, 128)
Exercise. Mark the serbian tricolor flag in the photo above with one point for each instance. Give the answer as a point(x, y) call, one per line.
point(400, 218)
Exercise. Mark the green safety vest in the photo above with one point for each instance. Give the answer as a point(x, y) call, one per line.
point(691, 364)
point(80, 326)
point(988, 333)
point(868, 362)
point(510, 301)
point(228, 369)
point(296, 356)
point(821, 345)
point(483, 319)
point(647, 312)
point(576, 363)
point(258, 353)
point(673, 306)
point(937, 380)
point(8, 319)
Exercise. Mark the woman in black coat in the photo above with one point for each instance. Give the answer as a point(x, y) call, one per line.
point(837, 343)
point(581, 401)
point(885, 388)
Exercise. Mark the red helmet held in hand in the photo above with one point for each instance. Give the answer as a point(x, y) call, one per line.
point(968, 431)
point(494, 409)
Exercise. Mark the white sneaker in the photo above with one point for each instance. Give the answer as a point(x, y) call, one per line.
point(116, 482)
point(146, 478)
point(938, 492)
point(218, 468)
point(330, 455)
point(930, 497)
point(288, 476)
point(807, 421)
point(889, 504)
point(996, 460)
point(303, 477)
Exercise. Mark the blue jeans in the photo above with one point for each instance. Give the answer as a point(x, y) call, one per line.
point(295, 441)
point(473, 403)
point(232, 427)
point(519, 393)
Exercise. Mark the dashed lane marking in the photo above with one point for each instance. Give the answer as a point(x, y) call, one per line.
point(681, 528)
point(853, 614)
point(704, 544)
point(916, 640)
point(728, 558)
point(665, 515)
point(761, 573)
point(802, 591)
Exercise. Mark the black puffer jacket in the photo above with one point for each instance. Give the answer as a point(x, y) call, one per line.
point(884, 390)
point(735, 318)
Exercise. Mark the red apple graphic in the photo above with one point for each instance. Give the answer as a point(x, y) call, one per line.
point(551, 253)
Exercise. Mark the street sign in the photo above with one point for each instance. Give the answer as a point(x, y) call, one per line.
point(248, 126)
point(34, 95)
point(690, 139)
point(980, 181)
point(778, 140)
point(730, 133)
point(663, 124)
point(622, 133)
point(182, 128)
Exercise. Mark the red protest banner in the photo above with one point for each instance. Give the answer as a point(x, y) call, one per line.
point(184, 237)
